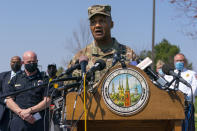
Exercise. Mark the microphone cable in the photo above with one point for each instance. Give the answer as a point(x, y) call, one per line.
point(73, 125)
point(74, 107)
point(45, 110)
point(85, 101)
point(51, 115)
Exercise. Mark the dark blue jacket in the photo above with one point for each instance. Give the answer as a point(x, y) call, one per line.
point(4, 81)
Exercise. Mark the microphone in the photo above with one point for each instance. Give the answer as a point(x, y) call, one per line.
point(145, 65)
point(169, 71)
point(83, 61)
point(71, 69)
point(116, 58)
point(98, 65)
point(65, 79)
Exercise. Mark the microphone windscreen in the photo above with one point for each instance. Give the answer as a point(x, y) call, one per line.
point(101, 63)
point(83, 58)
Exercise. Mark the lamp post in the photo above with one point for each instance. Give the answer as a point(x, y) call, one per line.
point(153, 34)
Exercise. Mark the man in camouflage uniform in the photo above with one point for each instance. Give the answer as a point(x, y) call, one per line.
point(103, 46)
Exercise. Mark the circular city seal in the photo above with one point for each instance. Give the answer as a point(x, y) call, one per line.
point(125, 91)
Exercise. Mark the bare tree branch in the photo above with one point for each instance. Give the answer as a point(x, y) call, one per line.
point(189, 9)
point(79, 39)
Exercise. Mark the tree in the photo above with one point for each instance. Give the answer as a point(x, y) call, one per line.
point(164, 51)
point(79, 39)
point(189, 9)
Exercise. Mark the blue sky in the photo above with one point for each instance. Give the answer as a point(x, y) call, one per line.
point(45, 26)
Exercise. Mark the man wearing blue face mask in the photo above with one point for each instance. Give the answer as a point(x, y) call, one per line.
point(190, 77)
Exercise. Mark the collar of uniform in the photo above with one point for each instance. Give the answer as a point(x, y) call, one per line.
point(103, 52)
point(184, 69)
point(37, 75)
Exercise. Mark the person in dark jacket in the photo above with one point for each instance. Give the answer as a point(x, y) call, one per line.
point(5, 77)
point(28, 107)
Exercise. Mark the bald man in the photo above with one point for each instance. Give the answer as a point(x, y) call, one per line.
point(5, 77)
point(28, 107)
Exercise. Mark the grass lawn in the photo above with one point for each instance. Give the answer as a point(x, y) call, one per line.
point(196, 112)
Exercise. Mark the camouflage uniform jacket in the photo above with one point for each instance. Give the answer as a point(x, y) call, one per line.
point(94, 53)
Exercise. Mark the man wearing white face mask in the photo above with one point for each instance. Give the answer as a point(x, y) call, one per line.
point(190, 77)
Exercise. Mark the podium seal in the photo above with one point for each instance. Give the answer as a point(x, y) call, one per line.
point(125, 91)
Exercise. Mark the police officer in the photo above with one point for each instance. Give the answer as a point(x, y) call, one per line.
point(104, 46)
point(5, 77)
point(190, 77)
point(52, 70)
point(27, 107)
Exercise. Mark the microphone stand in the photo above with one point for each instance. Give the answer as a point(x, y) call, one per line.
point(23, 90)
point(43, 85)
point(122, 61)
point(177, 80)
point(63, 112)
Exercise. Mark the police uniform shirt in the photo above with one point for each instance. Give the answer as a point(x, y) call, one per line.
point(31, 97)
point(190, 77)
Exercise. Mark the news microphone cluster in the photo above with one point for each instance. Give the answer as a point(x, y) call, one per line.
point(71, 69)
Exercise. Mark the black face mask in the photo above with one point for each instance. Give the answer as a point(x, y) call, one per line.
point(16, 67)
point(31, 67)
point(52, 74)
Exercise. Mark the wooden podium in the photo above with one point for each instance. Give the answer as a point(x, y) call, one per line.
point(164, 111)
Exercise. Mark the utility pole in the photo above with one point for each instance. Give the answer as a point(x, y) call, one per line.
point(153, 35)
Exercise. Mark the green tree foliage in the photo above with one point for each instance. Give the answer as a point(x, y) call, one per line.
point(164, 51)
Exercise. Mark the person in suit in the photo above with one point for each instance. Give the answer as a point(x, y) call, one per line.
point(5, 77)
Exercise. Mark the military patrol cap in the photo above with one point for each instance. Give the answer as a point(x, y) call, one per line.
point(99, 9)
